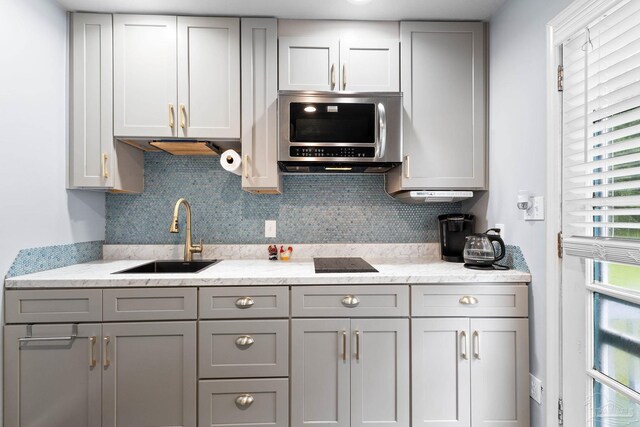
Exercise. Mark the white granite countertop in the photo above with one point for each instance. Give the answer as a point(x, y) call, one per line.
point(98, 274)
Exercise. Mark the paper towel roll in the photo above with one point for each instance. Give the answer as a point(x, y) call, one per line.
point(231, 161)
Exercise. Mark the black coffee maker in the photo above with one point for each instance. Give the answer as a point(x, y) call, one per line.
point(454, 228)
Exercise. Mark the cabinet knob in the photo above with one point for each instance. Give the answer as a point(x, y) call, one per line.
point(350, 301)
point(244, 401)
point(468, 300)
point(244, 341)
point(245, 302)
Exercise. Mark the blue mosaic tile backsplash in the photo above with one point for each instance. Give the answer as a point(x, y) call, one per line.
point(313, 208)
point(34, 260)
point(514, 259)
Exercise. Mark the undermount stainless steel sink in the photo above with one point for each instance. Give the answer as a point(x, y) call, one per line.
point(171, 267)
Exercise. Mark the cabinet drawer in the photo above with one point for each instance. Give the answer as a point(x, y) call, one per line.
point(246, 302)
point(150, 304)
point(244, 348)
point(469, 301)
point(350, 301)
point(225, 403)
point(52, 306)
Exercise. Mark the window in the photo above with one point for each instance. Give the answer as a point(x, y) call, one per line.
point(601, 202)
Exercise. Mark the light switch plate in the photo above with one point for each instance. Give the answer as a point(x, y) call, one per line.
point(536, 211)
point(535, 389)
point(270, 228)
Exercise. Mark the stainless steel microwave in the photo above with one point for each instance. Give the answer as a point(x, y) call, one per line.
point(332, 132)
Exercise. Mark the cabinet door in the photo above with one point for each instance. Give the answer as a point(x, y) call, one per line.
point(441, 388)
point(320, 360)
point(308, 63)
point(500, 373)
point(260, 105)
point(144, 75)
point(208, 77)
point(380, 372)
point(370, 65)
point(149, 374)
point(53, 383)
point(443, 82)
point(91, 145)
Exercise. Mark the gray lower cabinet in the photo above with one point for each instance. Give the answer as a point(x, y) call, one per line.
point(250, 402)
point(243, 348)
point(470, 372)
point(52, 383)
point(149, 374)
point(116, 375)
point(350, 372)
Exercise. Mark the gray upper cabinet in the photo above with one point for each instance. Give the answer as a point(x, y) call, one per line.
point(95, 159)
point(308, 63)
point(370, 65)
point(176, 77)
point(209, 77)
point(55, 382)
point(259, 106)
point(149, 374)
point(145, 75)
point(333, 64)
point(443, 83)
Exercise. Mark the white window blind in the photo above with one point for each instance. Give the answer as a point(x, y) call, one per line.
point(601, 138)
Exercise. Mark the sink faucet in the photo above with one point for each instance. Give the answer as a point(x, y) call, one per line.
point(189, 248)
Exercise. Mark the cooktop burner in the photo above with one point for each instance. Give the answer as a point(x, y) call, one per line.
point(342, 265)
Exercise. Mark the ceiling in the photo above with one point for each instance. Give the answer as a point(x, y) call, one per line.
point(394, 10)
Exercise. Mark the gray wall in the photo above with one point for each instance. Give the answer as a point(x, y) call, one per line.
point(517, 135)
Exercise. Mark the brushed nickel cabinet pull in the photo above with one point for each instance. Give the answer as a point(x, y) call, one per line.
point(344, 345)
point(357, 345)
point(476, 344)
point(105, 170)
point(183, 116)
point(244, 302)
point(468, 300)
point(106, 362)
point(31, 338)
point(344, 76)
point(350, 301)
point(245, 341)
point(172, 116)
point(244, 401)
point(463, 337)
point(333, 76)
point(245, 165)
point(92, 356)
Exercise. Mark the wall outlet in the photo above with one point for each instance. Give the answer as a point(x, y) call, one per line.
point(535, 389)
point(270, 228)
point(502, 233)
point(536, 211)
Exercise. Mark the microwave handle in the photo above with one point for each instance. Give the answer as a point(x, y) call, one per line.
point(381, 146)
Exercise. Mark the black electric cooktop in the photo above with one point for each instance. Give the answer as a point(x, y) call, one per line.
point(342, 265)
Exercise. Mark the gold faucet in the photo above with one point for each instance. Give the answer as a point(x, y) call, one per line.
point(189, 248)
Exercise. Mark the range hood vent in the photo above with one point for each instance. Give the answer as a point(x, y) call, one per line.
point(187, 148)
point(336, 168)
point(416, 197)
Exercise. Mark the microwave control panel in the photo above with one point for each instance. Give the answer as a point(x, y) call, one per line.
point(328, 151)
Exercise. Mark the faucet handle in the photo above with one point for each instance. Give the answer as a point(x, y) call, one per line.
point(197, 248)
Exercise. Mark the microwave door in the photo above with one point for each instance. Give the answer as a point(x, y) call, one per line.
point(349, 123)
